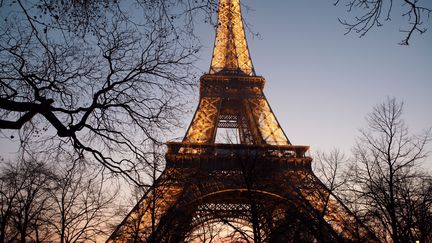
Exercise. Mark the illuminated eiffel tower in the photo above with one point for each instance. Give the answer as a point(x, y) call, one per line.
point(252, 183)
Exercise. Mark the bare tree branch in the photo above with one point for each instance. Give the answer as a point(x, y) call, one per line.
point(385, 175)
point(372, 13)
point(103, 77)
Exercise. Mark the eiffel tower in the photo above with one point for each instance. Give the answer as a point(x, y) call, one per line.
point(254, 184)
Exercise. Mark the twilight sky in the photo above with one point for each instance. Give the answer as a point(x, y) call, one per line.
point(322, 83)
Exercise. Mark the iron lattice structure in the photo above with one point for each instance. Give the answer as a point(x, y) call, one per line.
point(262, 181)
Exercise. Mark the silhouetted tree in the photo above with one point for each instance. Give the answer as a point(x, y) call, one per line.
point(389, 190)
point(24, 201)
point(62, 202)
point(371, 14)
point(154, 193)
point(82, 203)
point(102, 76)
point(329, 167)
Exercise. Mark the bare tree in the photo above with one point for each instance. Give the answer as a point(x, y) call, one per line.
point(82, 201)
point(329, 167)
point(46, 201)
point(155, 195)
point(101, 77)
point(25, 201)
point(371, 14)
point(386, 179)
point(207, 232)
point(416, 208)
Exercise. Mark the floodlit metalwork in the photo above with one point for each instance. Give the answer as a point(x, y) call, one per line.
point(261, 181)
point(231, 53)
point(238, 102)
point(268, 125)
point(202, 128)
point(139, 224)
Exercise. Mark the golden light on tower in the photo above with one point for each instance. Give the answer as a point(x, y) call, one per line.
point(252, 115)
point(231, 53)
point(205, 180)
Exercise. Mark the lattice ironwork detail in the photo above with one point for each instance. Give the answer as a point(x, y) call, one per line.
point(203, 125)
point(270, 130)
point(147, 213)
point(229, 121)
point(206, 181)
point(231, 53)
point(183, 199)
point(331, 208)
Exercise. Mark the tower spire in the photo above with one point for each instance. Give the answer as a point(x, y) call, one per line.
point(231, 53)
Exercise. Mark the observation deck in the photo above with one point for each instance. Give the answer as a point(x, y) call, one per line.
point(237, 156)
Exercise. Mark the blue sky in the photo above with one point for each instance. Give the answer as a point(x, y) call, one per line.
point(322, 83)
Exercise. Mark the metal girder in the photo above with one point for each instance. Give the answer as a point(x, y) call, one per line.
point(266, 122)
point(157, 200)
point(235, 103)
point(332, 210)
point(231, 53)
point(204, 123)
point(183, 199)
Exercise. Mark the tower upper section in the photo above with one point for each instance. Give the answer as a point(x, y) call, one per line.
point(231, 53)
